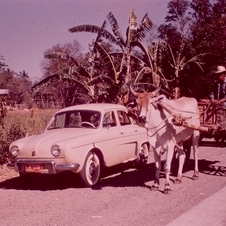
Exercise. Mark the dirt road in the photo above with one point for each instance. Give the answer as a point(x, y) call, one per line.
point(123, 197)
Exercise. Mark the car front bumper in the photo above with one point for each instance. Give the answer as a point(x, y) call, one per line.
point(42, 166)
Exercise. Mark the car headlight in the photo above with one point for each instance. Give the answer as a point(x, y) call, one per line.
point(14, 151)
point(55, 151)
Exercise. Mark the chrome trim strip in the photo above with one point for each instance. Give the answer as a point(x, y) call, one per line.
point(11, 165)
point(55, 167)
point(63, 167)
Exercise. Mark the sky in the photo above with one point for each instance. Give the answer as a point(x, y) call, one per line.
point(29, 27)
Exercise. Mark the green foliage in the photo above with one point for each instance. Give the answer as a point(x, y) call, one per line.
point(19, 86)
point(208, 27)
point(18, 124)
point(2, 63)
point(192, 41)
point(195, 32)
point(102, 79)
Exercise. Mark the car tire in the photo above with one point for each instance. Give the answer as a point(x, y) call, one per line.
point(143, 156)
point(91, 171)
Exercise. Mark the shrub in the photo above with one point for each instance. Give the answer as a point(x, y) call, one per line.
point(20, 123)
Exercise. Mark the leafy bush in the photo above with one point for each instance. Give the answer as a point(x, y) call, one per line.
point(18, 124)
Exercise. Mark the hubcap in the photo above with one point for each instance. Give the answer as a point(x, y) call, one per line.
point(92, 169)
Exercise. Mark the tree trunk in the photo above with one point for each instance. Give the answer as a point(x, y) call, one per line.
point(176, 92)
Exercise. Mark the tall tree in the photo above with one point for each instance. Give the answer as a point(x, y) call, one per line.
point(209, 24)
point(50, 66)
point(180, 54)
point(2, 63)
point(57, 60)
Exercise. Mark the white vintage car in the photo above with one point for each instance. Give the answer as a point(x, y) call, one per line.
point(83, 139)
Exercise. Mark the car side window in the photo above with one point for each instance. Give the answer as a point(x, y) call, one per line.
point(123, 118)
point(58, 122)
point(109, 119)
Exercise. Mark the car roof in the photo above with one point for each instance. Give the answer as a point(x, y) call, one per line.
point(95, 106)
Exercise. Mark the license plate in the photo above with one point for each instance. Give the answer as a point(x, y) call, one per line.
point(34, 168)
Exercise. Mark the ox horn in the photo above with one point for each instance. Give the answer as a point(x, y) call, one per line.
point(156, 91)
point(133, 91)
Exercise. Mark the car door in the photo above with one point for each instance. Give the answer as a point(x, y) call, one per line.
point(110, 139)
point(129, 135)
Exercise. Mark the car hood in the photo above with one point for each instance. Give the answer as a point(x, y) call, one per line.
point(41, 144)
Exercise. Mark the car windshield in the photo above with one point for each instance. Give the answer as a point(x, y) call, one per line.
point(76, 119)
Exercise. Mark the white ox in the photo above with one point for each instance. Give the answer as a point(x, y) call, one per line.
point(158, 113)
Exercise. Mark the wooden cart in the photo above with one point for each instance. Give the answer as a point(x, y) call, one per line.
point(213, 117)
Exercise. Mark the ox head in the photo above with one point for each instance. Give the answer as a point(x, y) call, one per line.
point(143, 100)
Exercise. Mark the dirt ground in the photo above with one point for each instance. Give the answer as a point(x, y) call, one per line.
point(123, 197)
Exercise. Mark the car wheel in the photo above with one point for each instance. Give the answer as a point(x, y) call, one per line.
point(143, 156)
point(90, 173)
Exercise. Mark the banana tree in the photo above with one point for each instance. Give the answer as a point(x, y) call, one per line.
point(97, 86)
point(135, 34)
point(74, 75)
point(107, 81)
point(153, 66)
point(179, 61)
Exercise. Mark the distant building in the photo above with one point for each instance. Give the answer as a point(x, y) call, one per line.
point(4, 92)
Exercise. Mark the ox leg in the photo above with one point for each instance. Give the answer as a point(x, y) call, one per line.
point(195, 152)
point(181, 156)
point(167, 167)
point(157, 158)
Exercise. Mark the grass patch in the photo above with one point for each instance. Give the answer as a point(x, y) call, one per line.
point(19, 123)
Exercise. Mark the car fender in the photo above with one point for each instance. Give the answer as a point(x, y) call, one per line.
point(142, 142)
point(77, 154)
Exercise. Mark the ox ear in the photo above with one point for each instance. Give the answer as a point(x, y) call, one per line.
point(132, 104)
point(159, 98)
point(132, 90)
point(157, 90)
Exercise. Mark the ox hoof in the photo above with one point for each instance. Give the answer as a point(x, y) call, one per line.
point(154, 188)
point(195, 177)
point(167, 191)
point(177, 181)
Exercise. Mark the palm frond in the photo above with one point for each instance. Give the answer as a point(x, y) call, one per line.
point(106, 59)
point(144, 27)
point(199, 65)
point(134, 58)
point(75, 80)
point(58, 77)
point(171, 52)
point(100, 79)
point(61, 56)
point(115, 28)
point(68, 70)
point(132, 29)
point(46, 81)
point(197, 57)
point(141, 73)
point(149, 87)
point(95, 29)
point(145, 51)
point(99, 34)
point(74, 65)
point(56, 55)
